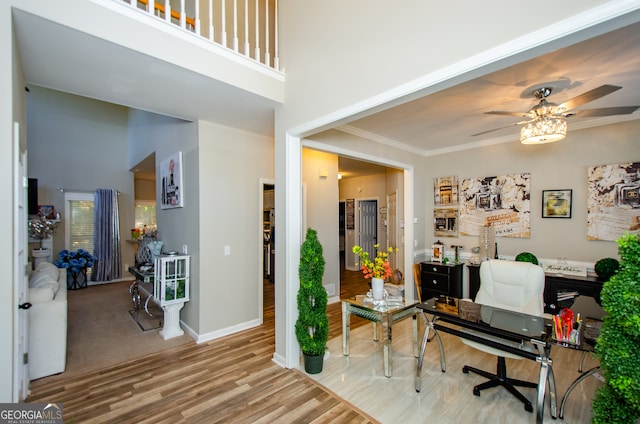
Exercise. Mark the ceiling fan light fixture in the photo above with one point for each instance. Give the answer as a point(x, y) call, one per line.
point(543, 130)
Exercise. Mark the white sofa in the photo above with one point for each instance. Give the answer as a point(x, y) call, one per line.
point(47, 321)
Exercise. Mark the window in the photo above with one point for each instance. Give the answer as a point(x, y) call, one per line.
point(78, 221)
point(145, 213)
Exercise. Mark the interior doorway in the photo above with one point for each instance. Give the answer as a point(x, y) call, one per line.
point(268, 257)
point(368, 225)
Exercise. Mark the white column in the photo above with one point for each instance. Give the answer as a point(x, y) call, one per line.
point(235, 25)
point(267, 57)
point(183, 15)
point(167, 9)
point(276, 58)
point(257, 51)
point(246, 27)
point(224, 24)
point(197, 19)
point(211, 30)
point(171, 326)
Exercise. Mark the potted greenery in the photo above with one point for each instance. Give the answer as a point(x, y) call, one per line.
point(312, 326)
point(618, 400)
point(606, 268)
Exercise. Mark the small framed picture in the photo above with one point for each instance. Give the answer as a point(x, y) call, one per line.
point(556, 203)
point(437, 252)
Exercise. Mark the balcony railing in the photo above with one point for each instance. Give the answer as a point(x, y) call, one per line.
point(248, 27)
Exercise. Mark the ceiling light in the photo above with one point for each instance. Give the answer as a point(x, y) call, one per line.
point(543, 130)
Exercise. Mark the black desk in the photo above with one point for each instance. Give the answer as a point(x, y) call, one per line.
point(516, 330)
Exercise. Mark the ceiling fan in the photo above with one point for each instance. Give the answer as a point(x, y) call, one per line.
point(545, 122)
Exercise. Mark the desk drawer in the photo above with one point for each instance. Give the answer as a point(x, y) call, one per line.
point(435, 283)
point(431, 268)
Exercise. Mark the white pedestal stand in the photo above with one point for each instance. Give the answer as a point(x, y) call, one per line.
point(171, 326)
point(40, 255)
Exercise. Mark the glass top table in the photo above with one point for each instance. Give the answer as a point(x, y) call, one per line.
point(386, 312)
point(528, 336)
point(524, 335)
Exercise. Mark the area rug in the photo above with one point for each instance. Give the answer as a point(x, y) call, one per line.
point(101, 332)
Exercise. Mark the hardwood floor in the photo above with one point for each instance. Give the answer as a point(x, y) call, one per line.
point(231, 379)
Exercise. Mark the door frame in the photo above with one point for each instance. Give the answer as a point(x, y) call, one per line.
point(20, 240)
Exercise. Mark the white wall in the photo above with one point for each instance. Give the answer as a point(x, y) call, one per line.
point(231, 163)
point(79, 144)
point(374, 46)
point(322, 211)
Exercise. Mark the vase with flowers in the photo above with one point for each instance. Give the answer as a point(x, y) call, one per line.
point(376, 268)
point(76, 262)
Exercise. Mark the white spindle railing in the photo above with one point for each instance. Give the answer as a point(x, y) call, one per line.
point(190, 14)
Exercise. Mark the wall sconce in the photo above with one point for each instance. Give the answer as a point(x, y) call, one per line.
point(323, 174)
point(339, 176)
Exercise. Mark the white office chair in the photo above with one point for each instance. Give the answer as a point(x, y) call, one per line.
point(514, 286)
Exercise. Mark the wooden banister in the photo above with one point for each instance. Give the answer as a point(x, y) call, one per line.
point(174, 14)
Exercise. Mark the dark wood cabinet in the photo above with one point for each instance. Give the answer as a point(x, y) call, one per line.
point(440, 279)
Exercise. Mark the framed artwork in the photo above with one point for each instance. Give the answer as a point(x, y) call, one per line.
point(502, 201)
point(46, 211)
point(556, 203)
point(172, 188)
point(437, 252)
point(350, 206)
point(613, 202)
point(445, 222)
point(445, 191)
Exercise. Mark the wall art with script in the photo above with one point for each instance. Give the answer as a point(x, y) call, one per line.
point(613, 203)
point(503, 202)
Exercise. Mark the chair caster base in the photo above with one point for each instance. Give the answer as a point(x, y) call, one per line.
point(528, 407)
point(476, 392)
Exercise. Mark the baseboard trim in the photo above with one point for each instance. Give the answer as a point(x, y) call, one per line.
point(202, 338)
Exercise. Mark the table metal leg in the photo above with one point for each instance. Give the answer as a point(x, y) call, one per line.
point(346, 326)
point(414, 328)
point(134, 292)
point(573, 386)
point(387, 342)
point(423, 346)
point(546, 376)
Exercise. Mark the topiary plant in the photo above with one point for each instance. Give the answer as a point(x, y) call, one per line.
point(606, 268)
point(312, 326)
point(618, 401)
point(527, 257)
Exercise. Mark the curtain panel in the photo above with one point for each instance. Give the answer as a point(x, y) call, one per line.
point(106, 244)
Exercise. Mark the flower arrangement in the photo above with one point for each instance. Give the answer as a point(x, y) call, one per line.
point(75, 260)
point(42, 228)
point(378, 267)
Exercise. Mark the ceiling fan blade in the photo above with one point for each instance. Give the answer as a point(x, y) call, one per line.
point(504, 113)
point(604, 111)
point(500, 128)
point(589, 96)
